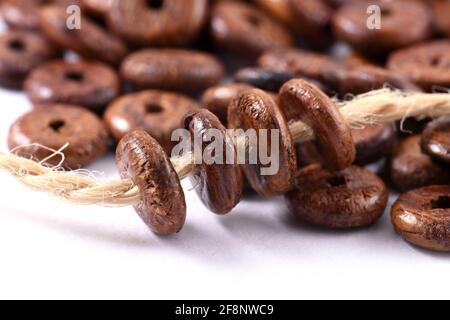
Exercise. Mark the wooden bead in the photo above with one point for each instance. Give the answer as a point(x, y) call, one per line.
point(160, 23)
point(427, 64)
point(54, 126)
point(351, 198)
point(217, 99)
point(140, 158)
point(172, 69)
point(374, 142)
point(243, 29)
point(21, 52)
point(89, 84)
point(422, 217)
point(410, 168)
point(218, 185)
point(257, 110)
point(436, 139)
point(304, 101)
point(92, 41)
point(158, 113)
point(404, 23)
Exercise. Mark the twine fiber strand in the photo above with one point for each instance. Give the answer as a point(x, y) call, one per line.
point(376, 107)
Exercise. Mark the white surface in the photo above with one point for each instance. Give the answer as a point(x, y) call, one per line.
point(49, 249)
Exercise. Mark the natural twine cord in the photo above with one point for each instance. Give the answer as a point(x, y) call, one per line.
point(376, 107)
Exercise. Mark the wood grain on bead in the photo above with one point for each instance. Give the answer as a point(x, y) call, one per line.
point(256, 109)
point(243, 29)
point(410, 168)
point(140, 158)
point(158, 23)
point(53, 126)
point(422, 217)
point(89, 84)
point(351, 198)
point(158, 113)
point(404, 23)
point(436, 139)
point(20, 53)
point(172, 69)
point(426, 64)
point(303, 101)
point(92, 41)
point(218, 185)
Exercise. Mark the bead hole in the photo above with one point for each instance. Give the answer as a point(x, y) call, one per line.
point(57, 125)
point(153, 108)
point(386, 12)
point(75, 76)
point(436, 61)
point(17, 45)
point(336, 181)
point(442, 202)
point(155, 4)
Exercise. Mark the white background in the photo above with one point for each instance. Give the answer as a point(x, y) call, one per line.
point(50, 249)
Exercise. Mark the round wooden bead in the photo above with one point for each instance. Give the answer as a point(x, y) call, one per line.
point(172, 69)
point(374, 142)
point(255, 109)
point(21, 52)
point(54, 126)
point(218, 184)
point(410, 168)
point(351, 198)
point(158, 113)
point(436, 139)
point(161, 23)
point(140, 158)
point(89, 84)
point(92, 41)
point(24, 14)
point(422, 217)
point(303, 101)
point(426, 64)
point(243, 29)
point(217, 99)
point(403, 23)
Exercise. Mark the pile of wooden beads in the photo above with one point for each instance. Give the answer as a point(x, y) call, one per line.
point(134, 74)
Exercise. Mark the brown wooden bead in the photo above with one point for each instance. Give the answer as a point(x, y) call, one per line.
point(403, 23)
point(172, 69)
point(422, 217)
point(217, 99)
point(303, 101)
point(24, 14)
point(374, 142)
point(436, 139)
point(91, 41)
point(426, 64)
point(269, 80)
point(243, 29)
point(157, 112)
point(140, 158)
point(351, 198)
point(364, 78)
point(410, 168)
point(89, 84)
point(161, 23)
point(256, 109)
point(21, 52)
point(52, 127)
point(219, 185)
